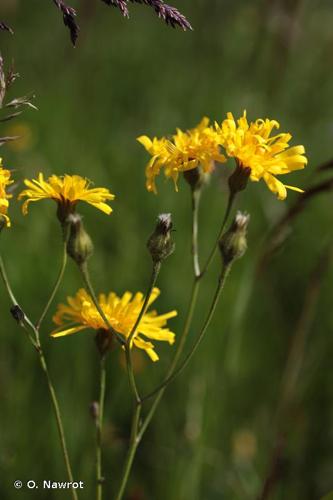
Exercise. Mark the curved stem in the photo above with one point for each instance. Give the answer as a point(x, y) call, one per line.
point(58, 419)
point(173, 375)
point(131, 377)
point(193, 299)
point(36, 343)
point(131, 451)
point(86, 279)
point(99, 429)
point(210, 259)
point(56, 286)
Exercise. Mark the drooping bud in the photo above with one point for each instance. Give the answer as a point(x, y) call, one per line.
point(160, 244)
point(233, 243)
point(79, 245)
point(239, 178)
point(103, 341)
point(196, 178)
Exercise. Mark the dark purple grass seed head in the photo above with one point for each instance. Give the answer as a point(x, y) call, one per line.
point(69, 15)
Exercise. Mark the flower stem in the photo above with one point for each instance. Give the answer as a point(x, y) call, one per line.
point(138, 403)
point(36, 343)
point(173, 373)
point(87, 281)
point(58, 419)
point(210, 259)
point(56, 285)
point(99, 430)
point(131, 377)
point(196, 193)
point(131, 452)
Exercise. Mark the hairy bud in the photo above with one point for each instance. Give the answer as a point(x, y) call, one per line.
point(103, 341)
point(233, 243)
point(196, 178)
point(239, 178)
point(160, 244)
point(79, 245)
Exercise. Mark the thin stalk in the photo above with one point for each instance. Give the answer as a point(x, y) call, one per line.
point(99, 430)
point(129, 364)
point(193, 299)
point(139, 432)
point(87, 281)
point(210, 259)
point(187, 359)
point(57, 413)
point(36, 343)
point(196, 193)
point(134, 442)
point(56, 285)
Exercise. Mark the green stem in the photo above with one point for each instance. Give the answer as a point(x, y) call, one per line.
point(131, 452)
point(56, 286)
point(86, 279)
point(196, 193)
point(36, 343)
point(210, 259)
point(58, 419)
point(99, 430)
point(129, 364)
point(174, 373)
point(193, 299)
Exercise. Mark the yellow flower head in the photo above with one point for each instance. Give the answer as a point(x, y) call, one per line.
point(66, 190)
point(266, 156)
point(4, 196)
point(187, 150)
point(122, 312)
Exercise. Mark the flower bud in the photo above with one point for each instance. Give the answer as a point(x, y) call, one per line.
point(160, 244)
point(239, 178)
point(233, 243)
point(79, 245)
point(196, 178)
point(103, 341)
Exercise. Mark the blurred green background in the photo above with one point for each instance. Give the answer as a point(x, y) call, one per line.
point(214, 432)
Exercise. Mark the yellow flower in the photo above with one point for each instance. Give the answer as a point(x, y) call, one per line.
point(66, 191)
point(4, 196)
point(266, 156)
point(121, 312)
point(187, 150)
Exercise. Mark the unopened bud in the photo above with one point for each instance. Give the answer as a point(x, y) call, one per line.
point(79, 245)
point(196, 178)
point(103, 341)
point(233, 243)
point(239, 178)
point(160, 244)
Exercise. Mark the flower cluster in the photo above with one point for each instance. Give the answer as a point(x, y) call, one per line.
point(5, 180)
point(121, 312)
point(186, 151)
point(252, 145)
